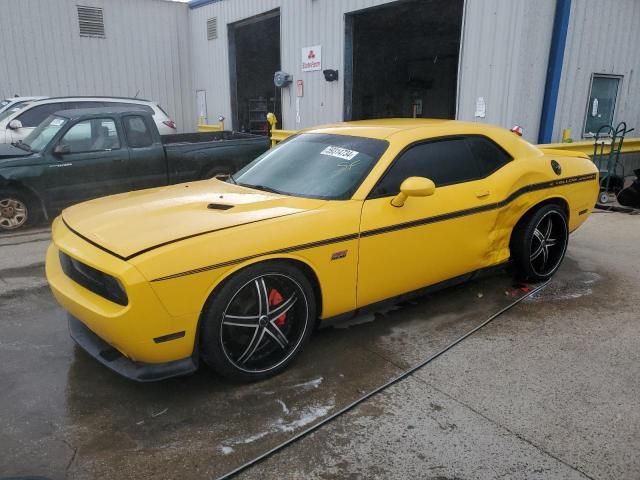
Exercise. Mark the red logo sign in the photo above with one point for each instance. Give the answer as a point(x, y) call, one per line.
point(311, 55)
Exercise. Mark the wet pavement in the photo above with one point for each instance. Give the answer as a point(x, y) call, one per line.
point(548, 390)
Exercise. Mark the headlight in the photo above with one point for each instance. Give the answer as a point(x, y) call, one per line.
point(94, 280)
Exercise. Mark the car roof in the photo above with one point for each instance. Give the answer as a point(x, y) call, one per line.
point(96, 99)
point(74, 113)
point(107, 97)
point(23, 99)
point(385, 127)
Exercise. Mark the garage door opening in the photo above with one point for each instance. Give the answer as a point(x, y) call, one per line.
point(401, 60)
point(254, 56)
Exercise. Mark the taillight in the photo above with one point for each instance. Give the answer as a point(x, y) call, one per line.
point(170, 124)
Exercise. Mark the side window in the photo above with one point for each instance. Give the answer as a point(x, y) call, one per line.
point(137, 131)
point(92, 136)
point(443, 161)
point(489, 155)
point(35, 116)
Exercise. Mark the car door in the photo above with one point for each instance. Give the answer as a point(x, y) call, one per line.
point(94, 164)
point(148, 164)
point(429, 239)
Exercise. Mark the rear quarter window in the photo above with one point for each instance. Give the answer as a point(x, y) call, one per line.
point(490, 156)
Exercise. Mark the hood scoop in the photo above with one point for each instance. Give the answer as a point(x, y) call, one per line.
point(219, 206)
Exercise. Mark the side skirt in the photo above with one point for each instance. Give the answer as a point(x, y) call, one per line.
point(421, 292)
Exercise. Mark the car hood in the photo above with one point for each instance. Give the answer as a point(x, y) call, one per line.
point(133, 223)
point(9, 151)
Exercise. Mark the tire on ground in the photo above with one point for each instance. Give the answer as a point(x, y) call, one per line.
point(211, 347)
point(525, 243)
point(18, 209)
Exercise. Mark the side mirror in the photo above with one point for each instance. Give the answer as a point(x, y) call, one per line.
point(61, 149)
point(15, 124)
point(413, 187)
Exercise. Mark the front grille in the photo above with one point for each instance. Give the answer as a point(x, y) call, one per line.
point(93, 280)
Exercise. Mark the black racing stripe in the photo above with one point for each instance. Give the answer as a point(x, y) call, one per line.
point(378, 231)
point(483, 208)
point(92, 242)
point(305, 246)
point(186, 237)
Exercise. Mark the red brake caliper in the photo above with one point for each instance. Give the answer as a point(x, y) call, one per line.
point(275, 298)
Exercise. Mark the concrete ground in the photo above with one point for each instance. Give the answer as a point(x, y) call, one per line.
point(549, 390)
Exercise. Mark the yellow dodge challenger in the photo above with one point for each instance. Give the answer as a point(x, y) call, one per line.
point(331, 222)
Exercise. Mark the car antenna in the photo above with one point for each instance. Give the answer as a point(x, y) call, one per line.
point(136, 95)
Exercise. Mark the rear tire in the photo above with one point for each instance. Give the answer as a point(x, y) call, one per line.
point(17, 210)
point(257, 322)
point(539, 243)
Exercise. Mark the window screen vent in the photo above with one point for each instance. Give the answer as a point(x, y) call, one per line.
point(212, 28)
point(91, 22)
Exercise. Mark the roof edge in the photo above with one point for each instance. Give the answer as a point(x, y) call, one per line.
point(201, 3)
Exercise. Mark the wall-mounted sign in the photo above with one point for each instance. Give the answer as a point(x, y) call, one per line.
point(312, 58)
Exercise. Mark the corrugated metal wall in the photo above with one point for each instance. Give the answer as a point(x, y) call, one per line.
point(603, 37)
point(505, 53)
point(146, 51)
point(504, 58)
point(302, 23)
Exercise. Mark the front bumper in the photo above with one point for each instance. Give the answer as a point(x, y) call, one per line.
point(143, 331)
point(116, 361)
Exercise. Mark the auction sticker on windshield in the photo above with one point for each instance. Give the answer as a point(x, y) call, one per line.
point(339, 152)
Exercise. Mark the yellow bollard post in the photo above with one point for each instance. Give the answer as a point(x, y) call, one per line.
point(273, 121)
point(566, 136)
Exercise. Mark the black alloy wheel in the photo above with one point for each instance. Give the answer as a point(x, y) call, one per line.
point(258, 322)
point(539, 243)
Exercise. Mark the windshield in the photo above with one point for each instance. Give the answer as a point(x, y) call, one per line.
point(314, 165)
point(10, 111)
point(43, 133)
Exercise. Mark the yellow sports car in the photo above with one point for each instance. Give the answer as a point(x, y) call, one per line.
point(330, 222)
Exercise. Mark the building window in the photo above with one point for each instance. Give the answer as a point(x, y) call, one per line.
point(602, 102)
point(91, 22)
point(212, 28)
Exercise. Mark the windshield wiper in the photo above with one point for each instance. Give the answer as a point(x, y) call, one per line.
point(22, 146)
point(260, 187)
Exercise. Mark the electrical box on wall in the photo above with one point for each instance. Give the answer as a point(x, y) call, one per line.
point(282, 79)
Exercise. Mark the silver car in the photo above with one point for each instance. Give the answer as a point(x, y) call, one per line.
point(13, 102)
point(18, 121)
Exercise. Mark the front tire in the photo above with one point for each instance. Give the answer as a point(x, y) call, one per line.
point(258, 321)
point(539, 243)
point(16, 210)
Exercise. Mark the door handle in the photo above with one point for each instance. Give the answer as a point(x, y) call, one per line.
point(483, 193)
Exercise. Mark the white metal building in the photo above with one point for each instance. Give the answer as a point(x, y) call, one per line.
point(526, 62)
point(99, 47)
point(546, 65)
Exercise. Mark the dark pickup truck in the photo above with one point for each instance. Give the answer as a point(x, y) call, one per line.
point(76, 155)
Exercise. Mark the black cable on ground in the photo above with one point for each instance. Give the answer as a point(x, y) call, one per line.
point(377, 390)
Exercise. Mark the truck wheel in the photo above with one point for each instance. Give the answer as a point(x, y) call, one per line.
point(16, 210)
point(257, 322)
point(539, 243)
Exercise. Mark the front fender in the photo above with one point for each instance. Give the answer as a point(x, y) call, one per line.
point(9, 178)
